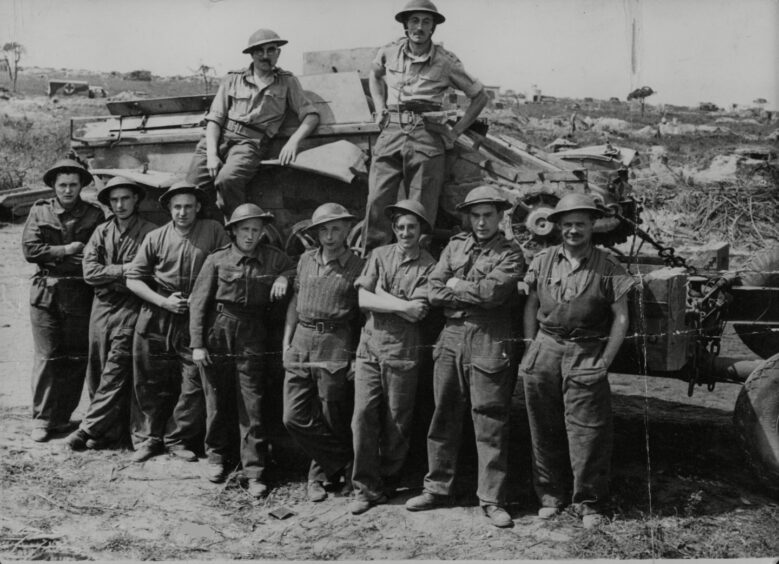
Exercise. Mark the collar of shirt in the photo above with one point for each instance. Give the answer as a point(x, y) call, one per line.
point(248, 76)
point(471, 242)
point(405, 257)
point(239, 258)
point(130, 223)
point(418, 58)
point(77, 210)
point(584, 260)
point(342, 258)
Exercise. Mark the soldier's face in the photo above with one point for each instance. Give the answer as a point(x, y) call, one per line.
point(576, 228)
point(123, 202)
point(183, 210)
point(266, 56)
point(67, 188)
point(332, 235)
point(419, 27)
point(485, 220)
point(247, 234)
point(407, 231)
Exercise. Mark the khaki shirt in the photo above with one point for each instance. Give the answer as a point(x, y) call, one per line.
point(422, 79)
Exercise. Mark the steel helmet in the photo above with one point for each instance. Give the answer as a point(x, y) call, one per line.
point(261, 37)
point(248, 211)
point(575, 202)
point(484, 194)
point(67, 166)
point(182, 187)
point(410, 206)
point(420, 6)
point(329, 212)
point(104, 194)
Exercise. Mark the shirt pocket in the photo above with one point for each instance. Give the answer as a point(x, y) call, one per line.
point(230, 287)
point(274, 103)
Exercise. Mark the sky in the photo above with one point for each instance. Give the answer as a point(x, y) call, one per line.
point(689, 51)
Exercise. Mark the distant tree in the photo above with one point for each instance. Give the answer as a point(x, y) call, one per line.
point(12, 53)
point(143, 75)
point(641, 94)
point(207, 75)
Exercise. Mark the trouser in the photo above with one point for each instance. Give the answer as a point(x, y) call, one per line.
point(414, 159)
point(235, 382)
point(569, 409)
point(241, 157)
point(318, 399)
point(110, 370)
point(472, 366)
point(168, 405)
point(384, 396)
point(60, 336)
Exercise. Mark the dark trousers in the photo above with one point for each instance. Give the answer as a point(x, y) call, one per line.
point(472, 368)
point(569, 408)
point(110, 370)
point(235, 382)
point(168, 405)
point(318, 399)
point(241, 157)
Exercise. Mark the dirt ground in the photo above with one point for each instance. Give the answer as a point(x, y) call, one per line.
point(679, 487)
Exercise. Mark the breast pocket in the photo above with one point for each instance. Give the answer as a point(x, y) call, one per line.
point(230, 286)
point(240, 104)
point(274, 102)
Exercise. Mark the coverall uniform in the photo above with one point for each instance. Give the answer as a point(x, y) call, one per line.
point(385, 380)
point(227, 316)
point(472, 361)
point(250, 115)
point(111, 325)
point(60, 301)
point(566, 386)
point(317, 393)
point(406, 153)
point(168, 396)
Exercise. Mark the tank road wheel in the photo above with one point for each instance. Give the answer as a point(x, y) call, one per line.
point(756, 418)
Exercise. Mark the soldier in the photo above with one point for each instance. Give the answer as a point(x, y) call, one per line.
point(54, 237)
point(318, 345)
point(169, 406)
point(577, 314)
point(228, 338)
point(393, 291)
point(407, 78)
point(475, 280)
point(246, 114)
point(114, 310)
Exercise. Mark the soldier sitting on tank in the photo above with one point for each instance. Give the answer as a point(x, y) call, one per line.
point(228, 312)
point(409, 77)
point(246, 114)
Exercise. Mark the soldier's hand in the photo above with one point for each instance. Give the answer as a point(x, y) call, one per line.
point(213, 164)
point(175, 303)
point(382, 118)
point(452, 282)
point(279, 288)
point(200, 357)
point(416, 310)
point(74, 259)
point(74, 248)
point(288, 152)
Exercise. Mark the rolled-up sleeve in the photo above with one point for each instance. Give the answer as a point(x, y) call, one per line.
point(369, 278)
point(142, 266)
point(297, 99)
point(461, 80)
point(221, 103)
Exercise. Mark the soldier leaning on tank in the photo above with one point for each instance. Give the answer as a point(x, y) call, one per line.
point(392, 289)
point(228, 336)
point(107, 255)
point(409, 77)
point(246, 114)
point(474, 281)
point(577, 314)
point(54, 237)
point(168, 408)
point(318, 348)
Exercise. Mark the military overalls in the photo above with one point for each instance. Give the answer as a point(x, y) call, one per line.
point(472, 361)
point(168, 396)
point(385, 380)
point(111, 326)
point(566, 386)
point(227, 317)
point(407, 156)
point(318, 396)
point(59, 307)
point(250, 115)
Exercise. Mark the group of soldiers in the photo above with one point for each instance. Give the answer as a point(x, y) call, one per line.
point(169, 324)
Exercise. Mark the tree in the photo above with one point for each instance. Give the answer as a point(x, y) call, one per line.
point(641, 94)
point(12, 53)
point(207, 75)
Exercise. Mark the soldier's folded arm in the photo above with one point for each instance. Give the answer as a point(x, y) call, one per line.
point(439, 294)
point(492, 290)
point(96, 272)
point(36, 249)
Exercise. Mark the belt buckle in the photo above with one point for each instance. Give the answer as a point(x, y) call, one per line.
point(220, 307)
point(319, 326)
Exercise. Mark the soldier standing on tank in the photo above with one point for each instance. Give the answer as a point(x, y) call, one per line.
point(169, 405)
point(228, 337)
point(474, 281)
point(318, 348)
point(407, 78)
point(114, 311)
point(54, 237)
point(245, 116)
point(392, 290)
point(577, 314)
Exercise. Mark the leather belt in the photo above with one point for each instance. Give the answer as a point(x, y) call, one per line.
point(244, 129)
point(324, 326)
point(414, 108)
point(234, 310)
